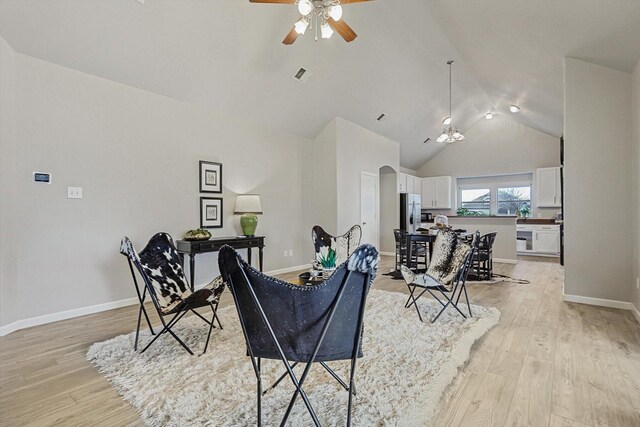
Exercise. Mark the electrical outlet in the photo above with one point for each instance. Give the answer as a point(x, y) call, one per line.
point(74, 192)
point(286, 253)
point(290, 252)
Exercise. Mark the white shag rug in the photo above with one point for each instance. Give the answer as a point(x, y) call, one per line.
point(406, 367)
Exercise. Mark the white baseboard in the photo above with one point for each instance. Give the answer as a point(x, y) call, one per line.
point(63, 315)
point(636, 312)
point(387, 253)
point(505, 261)
point(288, 269)
point(602, 302)
point(76, 312)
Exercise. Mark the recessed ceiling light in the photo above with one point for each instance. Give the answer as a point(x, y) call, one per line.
point(489, 115)
point(446, 121)
point(514, 108)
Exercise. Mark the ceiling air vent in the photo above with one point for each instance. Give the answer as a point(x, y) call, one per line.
point(426, 140)
point(382, 117)
point(302, 75)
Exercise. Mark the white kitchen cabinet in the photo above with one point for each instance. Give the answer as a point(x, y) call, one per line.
point(436, 192)
point(546, 241)
point(539, 239)
point(410, 185)
point(402, 182)
point(548, 188)
point(417, 185)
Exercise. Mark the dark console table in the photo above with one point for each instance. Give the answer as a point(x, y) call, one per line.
point(193, 247)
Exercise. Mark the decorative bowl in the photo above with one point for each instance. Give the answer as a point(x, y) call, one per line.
point(197, 235)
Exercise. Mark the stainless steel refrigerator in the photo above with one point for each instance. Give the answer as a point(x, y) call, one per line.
point(410, 209)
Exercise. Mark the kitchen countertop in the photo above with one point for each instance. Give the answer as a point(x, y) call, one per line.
point(545, 221)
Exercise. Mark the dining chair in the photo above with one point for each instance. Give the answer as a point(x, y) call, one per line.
point(446, 275)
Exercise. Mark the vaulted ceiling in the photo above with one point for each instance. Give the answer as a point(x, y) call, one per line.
point(226, 55)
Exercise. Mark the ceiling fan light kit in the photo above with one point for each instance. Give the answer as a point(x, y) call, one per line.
point(451, 133)
point(321, 15)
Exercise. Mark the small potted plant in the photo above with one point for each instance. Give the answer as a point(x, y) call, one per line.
point(525, 211)
point(327, 258)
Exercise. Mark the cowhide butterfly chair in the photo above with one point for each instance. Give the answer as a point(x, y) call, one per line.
point(160, 267)
point(302, 324)
point(343, 245)
point(447, 273)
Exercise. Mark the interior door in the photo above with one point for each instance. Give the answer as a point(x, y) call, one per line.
point(369, 208)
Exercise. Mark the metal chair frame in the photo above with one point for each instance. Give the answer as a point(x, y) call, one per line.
point(166, 326)
point(299, 382)
point(459, 286)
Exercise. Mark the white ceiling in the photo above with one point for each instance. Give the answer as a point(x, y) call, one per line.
point(227, 55)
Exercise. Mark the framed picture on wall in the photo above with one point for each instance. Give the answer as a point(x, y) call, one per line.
point(210, 177)
point(210, 212)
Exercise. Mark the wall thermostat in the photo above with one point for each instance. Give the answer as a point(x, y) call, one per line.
point(42, 177)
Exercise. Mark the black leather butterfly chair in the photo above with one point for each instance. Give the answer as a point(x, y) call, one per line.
point(160, 267)
point(302, 324)
point(447, 273)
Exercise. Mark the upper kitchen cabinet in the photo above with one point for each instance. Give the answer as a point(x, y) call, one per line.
point(402, 182)
point(548, 188)
point(409, 184)
point(436, 192)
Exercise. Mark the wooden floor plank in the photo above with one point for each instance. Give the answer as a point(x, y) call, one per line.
point(529, 407)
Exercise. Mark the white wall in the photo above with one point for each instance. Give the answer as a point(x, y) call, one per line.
point(598, 207)
point(389, 208)
point(8, 235)
point(136, 155)
point(359, 150)
point(495, 147)
point(635, 292)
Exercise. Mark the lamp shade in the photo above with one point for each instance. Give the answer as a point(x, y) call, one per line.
point(248, 203)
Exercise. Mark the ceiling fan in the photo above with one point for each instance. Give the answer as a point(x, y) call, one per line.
point(326, 15)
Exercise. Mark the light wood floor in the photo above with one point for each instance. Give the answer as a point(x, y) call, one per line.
point(547, 363)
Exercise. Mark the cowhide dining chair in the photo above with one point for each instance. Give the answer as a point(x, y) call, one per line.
point(446, 275)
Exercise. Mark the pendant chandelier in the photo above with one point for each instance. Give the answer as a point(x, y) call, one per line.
point(450, 133)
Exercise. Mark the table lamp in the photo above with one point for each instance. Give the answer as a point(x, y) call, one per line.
point(249, 206)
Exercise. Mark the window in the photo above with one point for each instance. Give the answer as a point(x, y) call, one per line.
point(494, 195)
point(513, 199)
point(476, 200)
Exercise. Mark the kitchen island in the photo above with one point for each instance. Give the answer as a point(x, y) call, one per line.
point(504, 247)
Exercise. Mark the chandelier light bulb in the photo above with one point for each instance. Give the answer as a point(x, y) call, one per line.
point(442, 138)
point(326, 31)
point(305, 7)
point(514, 108)
point(488, 116)
point(301, 26)
point(335, 12)
point(446, 121)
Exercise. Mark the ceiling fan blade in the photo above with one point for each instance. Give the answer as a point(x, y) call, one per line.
point(274, 1)
point(291, 37)
point(343, 29)
point(352, 1)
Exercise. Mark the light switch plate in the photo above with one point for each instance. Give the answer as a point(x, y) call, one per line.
point(74, 192)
